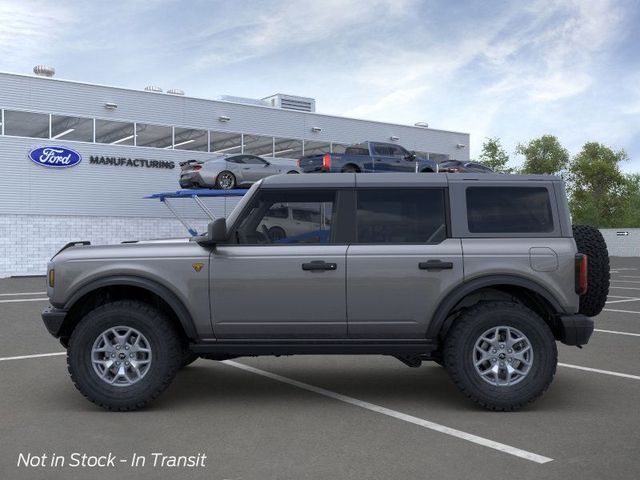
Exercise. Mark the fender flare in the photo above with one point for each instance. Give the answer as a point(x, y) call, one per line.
point(178, 307)
point(466, 288)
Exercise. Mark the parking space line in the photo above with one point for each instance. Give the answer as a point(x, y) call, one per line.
point(39, 355)
point(623, 288)
point(597, 370)
point(628, 276)
point(625, 300)
point(485, 442)
point(22, 293)
point(619, 311)
point(17, 300)
point(616, 332)
point(625, 281)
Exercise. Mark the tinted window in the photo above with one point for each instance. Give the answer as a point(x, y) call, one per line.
point(383, 150)
point(253, 160)
point(357, 151)
point(26, 124)
point(267, 221)
point(401, 216)
point(236, 159)
point(509, 210)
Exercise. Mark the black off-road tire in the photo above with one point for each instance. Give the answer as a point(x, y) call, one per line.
point(460, 343)
point(589, 241)
point(166, 346)
point(188, 357)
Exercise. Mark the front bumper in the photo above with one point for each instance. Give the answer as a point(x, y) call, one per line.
point(575, 329)
point(53, 319)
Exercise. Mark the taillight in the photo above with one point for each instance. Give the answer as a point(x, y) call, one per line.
point(326, 161)
point(582, 282)
point(197, 167)
point(455, 169)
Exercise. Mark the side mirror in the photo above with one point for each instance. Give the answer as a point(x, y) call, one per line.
point(410, 156)
point(216, 233)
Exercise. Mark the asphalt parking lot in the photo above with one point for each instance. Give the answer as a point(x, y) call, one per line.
point(328, 417)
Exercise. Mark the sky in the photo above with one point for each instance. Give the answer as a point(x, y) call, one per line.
point(513, 70)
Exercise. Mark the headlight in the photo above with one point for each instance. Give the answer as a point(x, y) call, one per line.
point(51, 277)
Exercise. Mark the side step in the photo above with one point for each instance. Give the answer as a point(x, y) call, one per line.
point(404, 348)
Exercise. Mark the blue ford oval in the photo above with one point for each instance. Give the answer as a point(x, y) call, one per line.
point(55, 157)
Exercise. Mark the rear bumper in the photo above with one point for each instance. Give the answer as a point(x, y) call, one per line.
point(53, 319)
point(575, 329)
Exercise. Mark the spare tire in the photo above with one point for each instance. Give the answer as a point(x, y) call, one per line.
point(589, 241)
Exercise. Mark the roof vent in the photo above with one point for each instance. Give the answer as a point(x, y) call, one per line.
point(175, 91)
point(243, 100)
point(44, 71)
point(292, 102)
point(153, 88)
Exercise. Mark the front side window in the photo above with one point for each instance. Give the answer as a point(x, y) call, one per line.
point(401, 216)
point(266, 220)
point(509, 210)
point(251, 160)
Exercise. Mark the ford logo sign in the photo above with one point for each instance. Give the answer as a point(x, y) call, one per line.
point(55, 157)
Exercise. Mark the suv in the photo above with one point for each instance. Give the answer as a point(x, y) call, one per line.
point(481, 273)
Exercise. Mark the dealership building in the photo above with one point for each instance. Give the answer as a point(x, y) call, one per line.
point(126, 144)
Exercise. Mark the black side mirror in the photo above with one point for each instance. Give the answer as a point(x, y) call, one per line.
point(216, 233)
point(410, 156)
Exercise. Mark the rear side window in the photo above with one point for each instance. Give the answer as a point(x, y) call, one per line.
point(356, 151)
point(509, 210)
point(401, 216)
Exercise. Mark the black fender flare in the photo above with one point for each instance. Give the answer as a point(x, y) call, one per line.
point(181, 311)
point(466, 288)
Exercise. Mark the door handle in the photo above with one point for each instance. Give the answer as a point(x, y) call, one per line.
point(435, 265)
point(319, 266)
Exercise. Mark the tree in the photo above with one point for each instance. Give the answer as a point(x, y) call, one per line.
point(544, 155)
point(494, 156)
point(631, 216)
point(600, 192)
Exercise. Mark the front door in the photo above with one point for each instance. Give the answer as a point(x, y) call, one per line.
point(402, 263)
point(277, 279)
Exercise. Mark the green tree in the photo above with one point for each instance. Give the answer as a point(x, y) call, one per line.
point(600, 192)
point(543, 155)
point(494, 156)
point(631, 215)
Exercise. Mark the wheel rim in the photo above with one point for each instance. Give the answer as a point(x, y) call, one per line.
point(121, 356)
point(225, 180)
point(503, 356)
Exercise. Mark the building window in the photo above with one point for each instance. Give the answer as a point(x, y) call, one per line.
point(26, 124)
point(338, 148)
point(287, 148)
point(190, 139)
point(115, 133)
point(400, 216)
point(316, 148)
point(509, 210)
point(258, 145)
point(157, 136)
point(225, 143)
point(71, 128)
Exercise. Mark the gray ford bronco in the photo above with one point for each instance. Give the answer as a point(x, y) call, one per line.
point(479, 273)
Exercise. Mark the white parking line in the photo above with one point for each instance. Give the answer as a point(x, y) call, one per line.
point(16, 294)
point(16, 300)
point(625, 281)
point(628, 276)
point(616, 332)
point(625, 300)
point(39, 355)
point(623, 288)
point(619, 311)
point(597, 370)
point(485, 442)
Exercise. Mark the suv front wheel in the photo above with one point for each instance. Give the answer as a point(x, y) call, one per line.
point(501, 355)
point(124, 354)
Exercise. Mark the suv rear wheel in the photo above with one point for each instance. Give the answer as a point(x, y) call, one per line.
point(124, 354)
point(501, 355)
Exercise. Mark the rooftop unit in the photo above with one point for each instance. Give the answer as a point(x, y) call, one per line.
point(291, 102)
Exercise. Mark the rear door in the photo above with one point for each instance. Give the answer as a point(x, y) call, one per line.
point(402, 263)
point(289, 285)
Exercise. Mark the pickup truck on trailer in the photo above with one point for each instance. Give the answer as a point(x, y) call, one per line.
point(481, 273)
point(368, 157)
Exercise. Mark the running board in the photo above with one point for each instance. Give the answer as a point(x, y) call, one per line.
point(314, 347)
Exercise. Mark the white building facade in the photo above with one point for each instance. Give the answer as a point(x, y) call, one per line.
point(129, 144)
